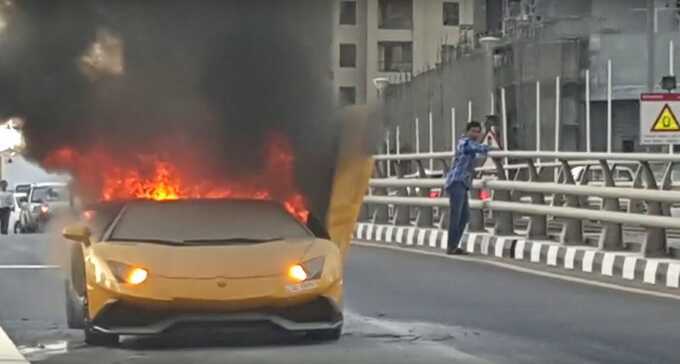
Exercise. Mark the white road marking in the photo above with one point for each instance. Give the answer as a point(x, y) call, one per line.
point(552, 255)
point(629, 267)
point(434, 234)
point(528, 270)
point(569, 258)
point(8, 351)
point(519, 249)
point(379, 232)
point(608, 264)
point(471, 242)
point(498, 248)
point(536, 252)
point(389, 231)
point(360, 231)
point(588, 258)
point(29, 266)
point(409, 236)
point(369, 232)
point(400, 235)
point(485, 244)
point(673, 276)
point(421, 237)
point(650, 271)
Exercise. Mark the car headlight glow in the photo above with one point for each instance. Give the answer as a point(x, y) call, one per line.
point(307, 271)
point(128, 274)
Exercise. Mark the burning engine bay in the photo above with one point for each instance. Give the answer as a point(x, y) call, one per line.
point(175, 99)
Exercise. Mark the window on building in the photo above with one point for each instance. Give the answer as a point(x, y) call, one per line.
point(348, 55)
point(348, 96)
point(348, 12)
point(395, 14)
point(451, 14)
point(395, 57)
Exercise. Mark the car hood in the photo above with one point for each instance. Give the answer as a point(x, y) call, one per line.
point(207, 261)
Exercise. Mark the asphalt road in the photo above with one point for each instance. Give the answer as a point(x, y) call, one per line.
point(400, 308)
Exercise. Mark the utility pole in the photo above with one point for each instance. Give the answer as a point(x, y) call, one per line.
point(651, 57)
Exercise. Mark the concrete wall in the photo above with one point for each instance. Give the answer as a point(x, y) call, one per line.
point(437, 91)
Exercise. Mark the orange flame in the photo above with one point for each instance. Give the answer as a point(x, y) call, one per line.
point(156, 178)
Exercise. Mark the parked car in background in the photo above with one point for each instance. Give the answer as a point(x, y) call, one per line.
point(45, 200)
point(15, 216)
point(24, 188)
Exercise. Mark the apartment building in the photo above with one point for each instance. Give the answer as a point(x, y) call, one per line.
point(396, 39)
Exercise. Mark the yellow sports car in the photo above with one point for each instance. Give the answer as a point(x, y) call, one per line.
point(147, 267)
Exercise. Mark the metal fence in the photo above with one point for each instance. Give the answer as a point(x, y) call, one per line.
point(541, 195)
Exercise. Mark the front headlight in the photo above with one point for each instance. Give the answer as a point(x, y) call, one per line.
point(125, 273)
point(307, 271)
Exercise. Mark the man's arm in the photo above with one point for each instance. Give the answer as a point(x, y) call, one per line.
point(471, 147)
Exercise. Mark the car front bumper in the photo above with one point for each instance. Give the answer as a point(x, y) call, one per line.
point(127, 318)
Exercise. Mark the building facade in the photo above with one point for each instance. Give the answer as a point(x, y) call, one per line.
point(396, 39)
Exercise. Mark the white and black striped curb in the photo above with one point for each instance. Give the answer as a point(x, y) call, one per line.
point(627, 266)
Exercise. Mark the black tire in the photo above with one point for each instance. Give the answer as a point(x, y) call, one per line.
point(96, 338)
point(75, 313)
point(326, 335)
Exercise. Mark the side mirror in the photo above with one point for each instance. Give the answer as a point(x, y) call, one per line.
point(77, 233)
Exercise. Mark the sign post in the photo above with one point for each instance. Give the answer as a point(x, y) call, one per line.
point(659, 123)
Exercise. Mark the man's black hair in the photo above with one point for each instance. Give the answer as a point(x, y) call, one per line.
point(473, 124)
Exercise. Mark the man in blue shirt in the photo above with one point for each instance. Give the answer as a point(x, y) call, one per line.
point(459, 181)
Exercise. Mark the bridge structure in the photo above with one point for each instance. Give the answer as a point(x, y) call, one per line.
point(613, 215)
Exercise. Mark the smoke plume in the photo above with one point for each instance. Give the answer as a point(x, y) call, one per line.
point(208, 79)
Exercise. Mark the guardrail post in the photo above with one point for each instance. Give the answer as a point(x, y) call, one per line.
point(634, 205)
point(380, 213)
point(538, 224)
point(572, 230)
point(612, 233)
point(424, 217)
point(402, 213)
point(667, 184)
point(503, 219)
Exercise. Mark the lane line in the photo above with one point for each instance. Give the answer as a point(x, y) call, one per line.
point(29, 266)
point(525, 270)
point(8, 351)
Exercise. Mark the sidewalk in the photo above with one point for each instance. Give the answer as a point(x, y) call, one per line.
point(625, 267)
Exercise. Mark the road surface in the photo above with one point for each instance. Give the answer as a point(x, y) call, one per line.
point(400, 308)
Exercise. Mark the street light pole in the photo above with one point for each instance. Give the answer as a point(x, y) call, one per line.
point(651, 28)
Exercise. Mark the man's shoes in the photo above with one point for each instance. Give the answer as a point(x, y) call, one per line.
point(457, 251)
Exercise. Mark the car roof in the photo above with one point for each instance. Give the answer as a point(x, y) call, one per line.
point(49, 184)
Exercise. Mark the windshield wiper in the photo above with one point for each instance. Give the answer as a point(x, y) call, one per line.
point(151, 241)
point(231, 240)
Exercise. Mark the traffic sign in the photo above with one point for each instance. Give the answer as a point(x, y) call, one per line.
point(658, 121)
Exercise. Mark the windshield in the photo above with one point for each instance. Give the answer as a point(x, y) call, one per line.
point(50, 194)
point(206, 221)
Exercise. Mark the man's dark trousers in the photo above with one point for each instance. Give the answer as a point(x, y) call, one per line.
point(4, 220)
point(459, 213)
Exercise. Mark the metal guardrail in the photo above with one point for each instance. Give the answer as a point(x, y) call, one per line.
point(648, 201)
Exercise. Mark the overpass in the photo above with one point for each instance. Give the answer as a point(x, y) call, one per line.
point(542, 212)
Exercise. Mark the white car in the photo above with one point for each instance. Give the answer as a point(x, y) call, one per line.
point(15, 215)
point(44, 201)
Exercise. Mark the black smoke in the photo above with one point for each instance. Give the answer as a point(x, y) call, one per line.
point(211, 75)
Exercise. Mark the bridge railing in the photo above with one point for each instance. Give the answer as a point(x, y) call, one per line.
point(535, 193)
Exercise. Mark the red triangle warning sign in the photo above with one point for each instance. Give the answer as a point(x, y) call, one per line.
point(666, 121)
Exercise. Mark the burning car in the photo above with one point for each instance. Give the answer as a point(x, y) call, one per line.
point(146, 267)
